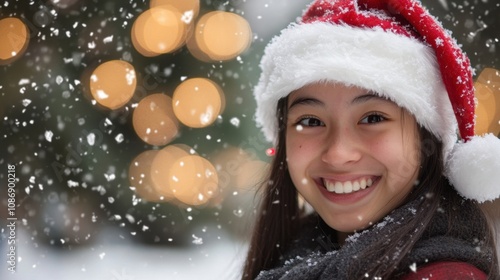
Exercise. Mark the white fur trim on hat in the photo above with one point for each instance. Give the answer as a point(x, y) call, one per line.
point(397, 67)
point(473, 168)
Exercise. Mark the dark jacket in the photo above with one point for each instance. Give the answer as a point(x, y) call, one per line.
point(314, 255)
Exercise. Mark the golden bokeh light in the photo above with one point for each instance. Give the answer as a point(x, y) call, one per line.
point(136, 31)
point(139, 174)
point(227, 162)
point(113, 83)
point(193, 180)
point(197, 102)
point(188, 8)
point(220, 36)
point(238, 171)
point(158, 30)
point(490, 77)
point(14, 38)
point(161, 166)
point(251, 174)
point(154, 120)
point(488, 97)
point(485, 108)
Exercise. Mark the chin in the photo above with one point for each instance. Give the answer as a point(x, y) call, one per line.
point(347, 227)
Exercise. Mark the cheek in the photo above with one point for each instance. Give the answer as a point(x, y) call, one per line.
point(294, 149)
point(299, 155)
point(401, 159)
point(293, 145)
point(300, 149)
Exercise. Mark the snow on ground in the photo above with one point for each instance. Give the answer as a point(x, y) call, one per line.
point(114, 259)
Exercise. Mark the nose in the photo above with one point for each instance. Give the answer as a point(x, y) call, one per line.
point(341, 148)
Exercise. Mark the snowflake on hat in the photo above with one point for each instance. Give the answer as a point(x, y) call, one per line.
point(397, 49)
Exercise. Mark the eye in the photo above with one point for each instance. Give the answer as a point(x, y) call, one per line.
point(310, 122)
point(373, 118)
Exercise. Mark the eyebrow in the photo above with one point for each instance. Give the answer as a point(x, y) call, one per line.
point(369, 96)
point(357, 100)
point(306, 101)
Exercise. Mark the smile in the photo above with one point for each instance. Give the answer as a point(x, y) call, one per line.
point(347, 186)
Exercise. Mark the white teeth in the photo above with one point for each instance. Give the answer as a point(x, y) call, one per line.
point(339, 188)
point(348, 186)
point(329, 187)
point(355, 186)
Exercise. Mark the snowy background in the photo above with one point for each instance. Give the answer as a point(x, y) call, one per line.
point(112, 258)
point(78, 217)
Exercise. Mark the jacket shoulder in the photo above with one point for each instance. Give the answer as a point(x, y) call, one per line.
point(447, 270)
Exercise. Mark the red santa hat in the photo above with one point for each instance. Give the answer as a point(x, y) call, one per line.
point(397, 49)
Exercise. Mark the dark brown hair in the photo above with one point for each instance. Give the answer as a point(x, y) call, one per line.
point(280, 218)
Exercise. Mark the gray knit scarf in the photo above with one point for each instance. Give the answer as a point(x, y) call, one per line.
point(314, 256)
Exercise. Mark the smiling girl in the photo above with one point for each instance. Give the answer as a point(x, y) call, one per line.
point(342, 144)
point(363, 100)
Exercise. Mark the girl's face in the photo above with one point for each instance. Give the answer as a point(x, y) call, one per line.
point(352, 155)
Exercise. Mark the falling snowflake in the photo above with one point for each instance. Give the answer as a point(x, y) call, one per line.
point(72, 184)
point(235, 121)
point(91, 139)
point(187, 17)
point(23, 82)
point(48, 135)
point(413, 267)
point(26, 102)
point(108, 39)
point(119, 138)
point(197, 240)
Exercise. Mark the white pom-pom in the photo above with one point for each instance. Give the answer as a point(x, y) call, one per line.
point(473, 168)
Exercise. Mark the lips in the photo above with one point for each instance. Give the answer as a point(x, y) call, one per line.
point(347, 187)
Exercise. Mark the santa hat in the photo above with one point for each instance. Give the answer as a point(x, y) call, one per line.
point(397, 49)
